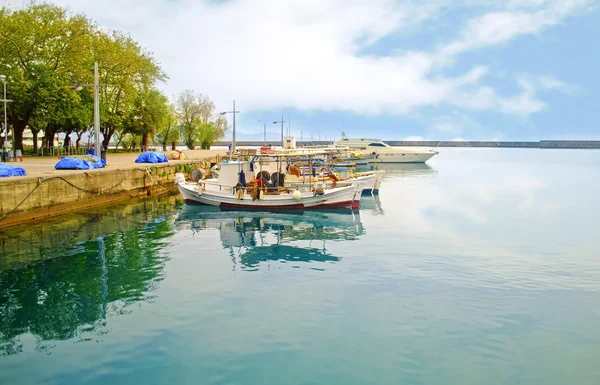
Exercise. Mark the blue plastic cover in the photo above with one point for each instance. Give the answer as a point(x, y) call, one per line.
point(79, 162)
point(7, 170)
point(151, 157)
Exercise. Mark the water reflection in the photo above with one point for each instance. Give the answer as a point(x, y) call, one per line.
point(256, 237)
point(371, 204)
point(62, 280)
point(413, 170)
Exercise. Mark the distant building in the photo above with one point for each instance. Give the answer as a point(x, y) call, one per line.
point(28, 137)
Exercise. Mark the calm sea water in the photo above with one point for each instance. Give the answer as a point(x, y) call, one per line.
point(481, 267)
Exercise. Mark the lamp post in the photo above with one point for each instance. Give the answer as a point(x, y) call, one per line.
point(5, 128)
point(265, 131)
point(280, 121)
point(96, 85)
point(232, 112)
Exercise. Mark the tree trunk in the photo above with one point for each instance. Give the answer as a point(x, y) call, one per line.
point(107, 133)
point(49, 133)
point(79, 135)
point(35, 140)
point(18, 129)
point(145, 141)
point(67, 141)
point(174, 146)
point(50, 138)
point(118, 144)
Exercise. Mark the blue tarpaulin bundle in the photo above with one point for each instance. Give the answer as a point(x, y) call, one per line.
point(151, 157)
point(79, 162)
point(7, 170)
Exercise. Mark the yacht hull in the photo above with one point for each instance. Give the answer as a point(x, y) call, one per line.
point(404, 157)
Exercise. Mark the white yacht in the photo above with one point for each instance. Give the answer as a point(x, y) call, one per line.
point(386, 153)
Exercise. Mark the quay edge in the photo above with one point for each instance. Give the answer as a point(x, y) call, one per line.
point(25, 199)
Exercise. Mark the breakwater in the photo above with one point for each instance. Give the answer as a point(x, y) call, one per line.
point(543, 144)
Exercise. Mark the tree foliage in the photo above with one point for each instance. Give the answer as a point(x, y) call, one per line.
point(44, 50)
point(169, 132)
point(199, 122)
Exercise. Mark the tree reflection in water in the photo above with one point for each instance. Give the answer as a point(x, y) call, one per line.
point(61, 279)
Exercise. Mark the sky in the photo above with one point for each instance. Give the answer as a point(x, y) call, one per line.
point(394, 70)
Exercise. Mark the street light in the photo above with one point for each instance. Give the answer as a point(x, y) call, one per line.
point(265, 133)
point(96, 85)
point(5, 128)
point(232, 112)
point(281, 121)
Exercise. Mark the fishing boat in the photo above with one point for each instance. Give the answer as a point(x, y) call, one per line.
point(302, 170)
point(367, 182)
point(237, 186)
point(386, 153)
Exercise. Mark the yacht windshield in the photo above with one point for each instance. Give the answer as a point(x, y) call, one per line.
point(377, 144)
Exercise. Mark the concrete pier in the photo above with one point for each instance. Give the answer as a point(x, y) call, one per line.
point(46, 192)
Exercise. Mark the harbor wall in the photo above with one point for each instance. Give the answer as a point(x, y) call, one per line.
point(543, 144)
point(32, 198)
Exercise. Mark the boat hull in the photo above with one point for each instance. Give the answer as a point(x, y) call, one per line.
point(340, 198)
point(404, 157)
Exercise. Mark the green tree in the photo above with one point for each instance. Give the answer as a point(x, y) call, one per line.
point(126, 69)
point(40, 50)
point(150, 112)
point(198, 120)
point(212, 131)
point(44, 49)
point(169, 131)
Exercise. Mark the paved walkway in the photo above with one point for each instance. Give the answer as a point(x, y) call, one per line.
point(37, 166)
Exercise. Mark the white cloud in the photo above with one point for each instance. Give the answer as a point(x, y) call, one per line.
point(454, 123)
point(549, 82)
point(525, 103)
point(502, 26)
point(307, 54)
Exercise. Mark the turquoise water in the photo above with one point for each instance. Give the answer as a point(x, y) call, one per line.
point(481, 267)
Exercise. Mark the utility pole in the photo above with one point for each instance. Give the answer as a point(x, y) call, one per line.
point(97, 149)
point(96, 85)
point(281, 121)
point(265, 131)
point(234, 111)
point(5, 128)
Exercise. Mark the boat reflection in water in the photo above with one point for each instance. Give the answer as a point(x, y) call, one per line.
point(401, 169)
point(372, 205)
point(255, 237)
